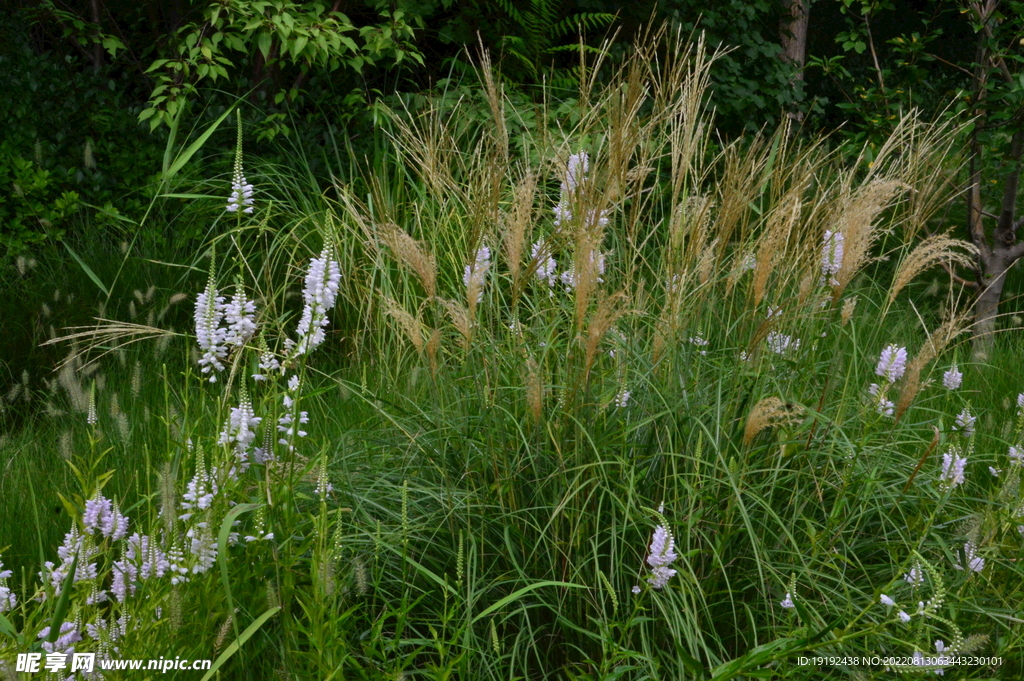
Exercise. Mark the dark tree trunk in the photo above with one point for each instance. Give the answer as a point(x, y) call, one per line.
point(97, 48)
point(793, 36)
point(995, 256)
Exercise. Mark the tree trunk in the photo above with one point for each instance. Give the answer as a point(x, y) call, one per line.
point(97, 48)
point(986, 306)
point(997, 258)
point(793, 36)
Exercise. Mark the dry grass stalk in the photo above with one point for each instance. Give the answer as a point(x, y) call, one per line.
point(707, 262)
point(432, 346)
point(607, 314)
point(932, 348)
point(411, 326)
point(924, 160)
point(936, 249)
point(737, 189)
point(771, 411)
point(412, 255)
point(495, 100)
point(585, 271)
point(110, 334)
point(534, 390)
point(517, 223)
point(773, 243)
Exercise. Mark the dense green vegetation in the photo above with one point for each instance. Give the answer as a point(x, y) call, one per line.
point(626, 372)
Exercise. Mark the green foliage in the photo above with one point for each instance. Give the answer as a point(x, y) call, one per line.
point(751, 86)
point(268, 36)
point(542, 33)
point(66, 132)
point(74, 28)
point(31, 208)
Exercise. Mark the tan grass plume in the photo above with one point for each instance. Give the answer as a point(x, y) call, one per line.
point(771, 411)
point(932, 251)
point(411, 326)
point(412, 255)
point(932, 348)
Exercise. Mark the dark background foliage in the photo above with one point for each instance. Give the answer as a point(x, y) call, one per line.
point(91, 90)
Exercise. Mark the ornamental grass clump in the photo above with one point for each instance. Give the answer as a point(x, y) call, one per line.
point(548, 324)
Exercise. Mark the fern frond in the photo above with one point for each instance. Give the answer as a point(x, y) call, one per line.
point(587, 21)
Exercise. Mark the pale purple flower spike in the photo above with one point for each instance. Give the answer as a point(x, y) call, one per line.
point(661, 554)
point(892, 363)
point(952, 379)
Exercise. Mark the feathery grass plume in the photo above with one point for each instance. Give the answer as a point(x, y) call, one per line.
point(119, 417)
point(738, 188)
point(688, 230)
point(136, 385)
point(433, 344)
point(848, 307)
point(496, 102)
point(612, 596)
point(67, 378)
point(607, 314)
point(168, 492)
point(410, 254)
point(429, 146)
point(932, 348)
point(534, 390)
point(475, 277)
point(770, 411)
point(924, 164)
point(854, 213)
point(516, 222)
point(772, 245)
point(460, 320)
point(91, 415)
point(587, 267)
point(706, 263)
point(88, 160)
point(411, 326)
point(66, 448)
point(222, 632)
point(932, 251)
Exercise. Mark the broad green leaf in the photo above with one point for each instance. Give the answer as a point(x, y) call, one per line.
point(263, 42)
point(7, 628)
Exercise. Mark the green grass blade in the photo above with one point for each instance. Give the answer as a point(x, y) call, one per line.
point(62, 602)
point(520, 592)
point(88, 271)
point(238, 642)
point(222, 553)
point(191, 150)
